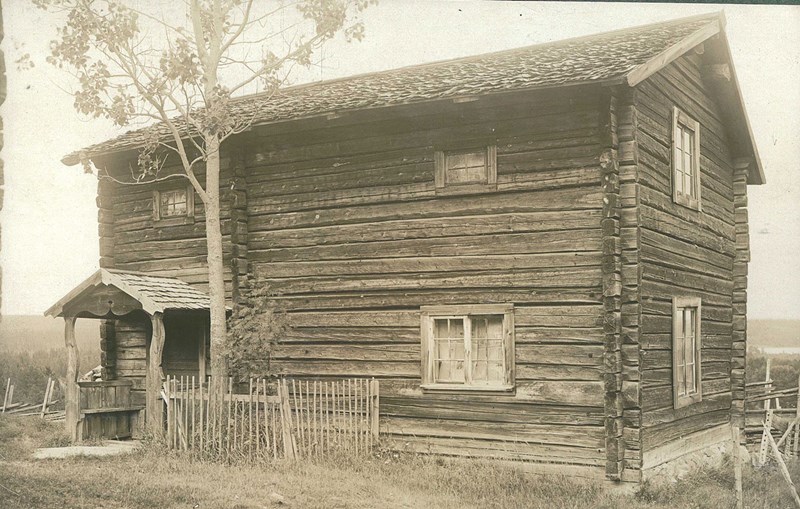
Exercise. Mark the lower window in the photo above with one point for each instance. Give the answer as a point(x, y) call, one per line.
point(686, 347)
point(468, 347)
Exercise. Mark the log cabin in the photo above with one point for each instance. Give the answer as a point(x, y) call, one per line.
point(540, 253)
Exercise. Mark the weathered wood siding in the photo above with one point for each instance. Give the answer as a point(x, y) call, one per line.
point(683, 252)
point(345, 225)
point(131, 337)
point(132, 240)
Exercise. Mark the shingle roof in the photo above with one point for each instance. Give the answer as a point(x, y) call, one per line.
point(162, 292)
point(154, 293)
point(596, 58)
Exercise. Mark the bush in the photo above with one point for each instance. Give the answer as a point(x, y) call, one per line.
point(29, 372)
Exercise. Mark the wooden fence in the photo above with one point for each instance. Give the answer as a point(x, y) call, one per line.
point(264, 419)
point(764, 415)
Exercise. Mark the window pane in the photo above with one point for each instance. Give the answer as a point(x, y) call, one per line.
point(475, 159)
point(690, 314)
point(687, 140)
point(680, 354)
point(487, 349)
point(684, 161)
point(686, 342)
point(455, 161)
point(466, 168)
point(173, 203)
point(449, 352)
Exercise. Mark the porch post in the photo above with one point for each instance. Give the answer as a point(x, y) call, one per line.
point(155, 375)
point(72, 392)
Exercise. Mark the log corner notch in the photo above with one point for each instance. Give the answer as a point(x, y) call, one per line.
point(237, 197)
point(612, 291)
point(155, 376)
point(72, 396)
point(742, 169)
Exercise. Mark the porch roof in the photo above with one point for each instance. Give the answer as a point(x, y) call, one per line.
point(120, 292)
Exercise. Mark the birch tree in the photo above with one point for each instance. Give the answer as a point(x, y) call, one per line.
point(133, 66)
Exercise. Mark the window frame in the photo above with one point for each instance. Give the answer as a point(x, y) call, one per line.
point(427, 316)
point(681, 119)
point(440, 173)
point(186, 218)
point(680, 304)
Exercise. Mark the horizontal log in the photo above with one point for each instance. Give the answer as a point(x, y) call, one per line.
point(409, 298)
point(560, 372)
point(499, 450)
point(540, 434)
point(657, 288)
point(655, 436)
point(499, 410)
point(654, 398)
point(576, 277)
point(404, 352)
point(495, 203)
point(503, 244)
point(400, 229)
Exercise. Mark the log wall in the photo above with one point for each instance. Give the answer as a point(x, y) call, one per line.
point(683, 252)
point(345, 226)
point(135, 241)
point(739, 344)
point(131, 337)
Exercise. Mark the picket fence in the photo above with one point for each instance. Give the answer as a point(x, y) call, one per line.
point(263, 419)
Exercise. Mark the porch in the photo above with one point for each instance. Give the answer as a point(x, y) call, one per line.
point(153, 326)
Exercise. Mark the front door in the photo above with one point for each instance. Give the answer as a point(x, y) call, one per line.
point(185, 344)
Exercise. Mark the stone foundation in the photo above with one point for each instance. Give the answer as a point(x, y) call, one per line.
point(673, 461)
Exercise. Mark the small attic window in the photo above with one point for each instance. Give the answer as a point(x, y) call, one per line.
point(466, 170)
point(173, 205)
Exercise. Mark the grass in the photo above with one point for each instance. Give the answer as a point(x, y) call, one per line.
point(155, 478)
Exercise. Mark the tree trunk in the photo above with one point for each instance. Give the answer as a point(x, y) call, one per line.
point(216, 278)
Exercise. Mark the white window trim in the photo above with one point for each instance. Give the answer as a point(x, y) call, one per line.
point(677, 304)
point(178, 219)
point(429, 313)
point(681, 118)
point(440, 173)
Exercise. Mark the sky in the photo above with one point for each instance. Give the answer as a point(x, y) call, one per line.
point(49, 219)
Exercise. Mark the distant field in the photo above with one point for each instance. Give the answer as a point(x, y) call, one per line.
point(773, 333)
point(32, 333)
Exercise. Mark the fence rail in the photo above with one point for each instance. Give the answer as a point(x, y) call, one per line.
point(764, 416)
point(263, 418)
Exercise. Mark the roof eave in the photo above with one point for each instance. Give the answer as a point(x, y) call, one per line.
point(669, 55)
point(756, 176)
point(715, 27)
point(75, 158)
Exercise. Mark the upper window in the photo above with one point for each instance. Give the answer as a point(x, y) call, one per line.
point(173, 203)
point(686, 349)
point(468, 170)
point(468, 347)
point(685, 160)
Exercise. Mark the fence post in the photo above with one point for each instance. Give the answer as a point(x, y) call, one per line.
point(374, 409)
point(797, 419)
point(737, 465)
point(768, 387)
point(286, 421)
point(5, 399)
